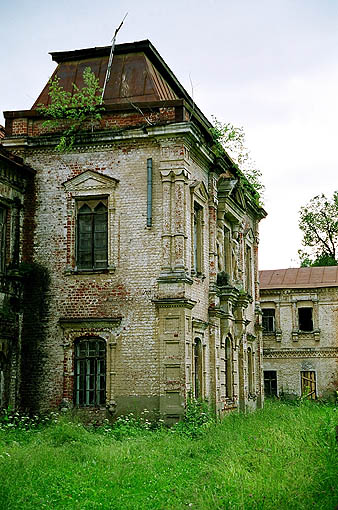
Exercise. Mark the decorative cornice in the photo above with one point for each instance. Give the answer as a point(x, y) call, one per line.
point(306, 352)
point(174, 303)
point(89, 323)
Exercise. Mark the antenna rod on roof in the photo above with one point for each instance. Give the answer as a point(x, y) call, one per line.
point(110, 61)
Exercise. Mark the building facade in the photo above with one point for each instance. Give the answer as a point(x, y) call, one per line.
point(300, 331)
point(149, 244)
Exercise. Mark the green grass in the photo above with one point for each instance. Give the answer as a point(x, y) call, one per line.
point(283, 457)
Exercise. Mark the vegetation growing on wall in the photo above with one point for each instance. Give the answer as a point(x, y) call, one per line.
point(226, 137)
point(78, 108)
point(318, 220)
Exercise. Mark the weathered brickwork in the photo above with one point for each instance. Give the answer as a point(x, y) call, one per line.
point(175, 303)
point(302, 361)
point(15, 179)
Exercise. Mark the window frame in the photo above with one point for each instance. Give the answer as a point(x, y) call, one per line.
point(3, 237)
point(300, 310)
point(93, 216)
point(266, 379)
point(84, 187)
point(273, 316)
point(94, 374)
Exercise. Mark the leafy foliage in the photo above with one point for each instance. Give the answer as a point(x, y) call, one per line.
point(318, 220)
point(227, 137)
point(77, 108)
point(197, 418)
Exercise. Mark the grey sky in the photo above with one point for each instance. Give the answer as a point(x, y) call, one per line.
point(270, 66)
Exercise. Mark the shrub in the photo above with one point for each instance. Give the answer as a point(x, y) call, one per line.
point(197, 418)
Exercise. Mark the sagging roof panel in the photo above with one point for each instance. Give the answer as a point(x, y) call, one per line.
point(297, 278)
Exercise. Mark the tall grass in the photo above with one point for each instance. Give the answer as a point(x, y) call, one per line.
point(283, 457)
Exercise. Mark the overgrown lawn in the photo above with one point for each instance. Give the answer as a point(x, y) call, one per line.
point(283, 457)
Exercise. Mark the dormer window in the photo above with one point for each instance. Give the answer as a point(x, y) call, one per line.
point(92, 234)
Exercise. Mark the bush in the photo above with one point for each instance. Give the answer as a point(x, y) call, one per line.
point(197, 418)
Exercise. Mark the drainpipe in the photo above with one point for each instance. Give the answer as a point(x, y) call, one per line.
point(149, 191)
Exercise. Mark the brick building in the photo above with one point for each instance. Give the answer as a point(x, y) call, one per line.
point(150, 245)
point(300, 331)
point(15, 180)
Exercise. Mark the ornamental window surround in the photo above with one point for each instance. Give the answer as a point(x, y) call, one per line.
point(92, 223)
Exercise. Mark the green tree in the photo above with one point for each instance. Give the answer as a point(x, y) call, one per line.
point(77, 108)
point(318, 220)
point(227, 137)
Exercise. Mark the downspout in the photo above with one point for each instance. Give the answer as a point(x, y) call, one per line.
point(149, 191)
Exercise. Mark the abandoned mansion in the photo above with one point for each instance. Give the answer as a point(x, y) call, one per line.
point(128, 264)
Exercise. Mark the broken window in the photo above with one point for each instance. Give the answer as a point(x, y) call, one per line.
point(2, 238)
point(305, 319)
point(270, 383)
point(92, 234)
point(268, 320)
point(308, 384)
point(90, 372)
point(197, 238)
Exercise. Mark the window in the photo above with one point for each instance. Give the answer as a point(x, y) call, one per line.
point(90, 372)
point(197, 375)
point(308, 384)
point(2, 239)
point(270, 383)
point(250, 372)
point(228, 369)
point(197, 238)
point(92, 234)
point(305, 319)
point(268, 320)
point(248, 270)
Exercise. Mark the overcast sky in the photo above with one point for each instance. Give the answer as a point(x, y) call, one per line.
point(268, 65)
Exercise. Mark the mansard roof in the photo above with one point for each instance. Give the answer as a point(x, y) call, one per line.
point(138, 74)
point(299, 278)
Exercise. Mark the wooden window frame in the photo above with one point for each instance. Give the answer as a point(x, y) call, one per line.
point(93, 216)
point(90, 372)
point(270, 394)
point(311, 377)
point(273, 316)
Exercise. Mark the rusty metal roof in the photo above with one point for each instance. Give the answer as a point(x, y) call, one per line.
point(138, 74)
point(297, 278)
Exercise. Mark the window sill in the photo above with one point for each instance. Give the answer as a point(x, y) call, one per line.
point(107, 270)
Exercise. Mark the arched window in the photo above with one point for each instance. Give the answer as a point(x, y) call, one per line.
point(197, 375)
point(228, 367)
point(250, 372)
point(92, 235)
point(90, 372)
